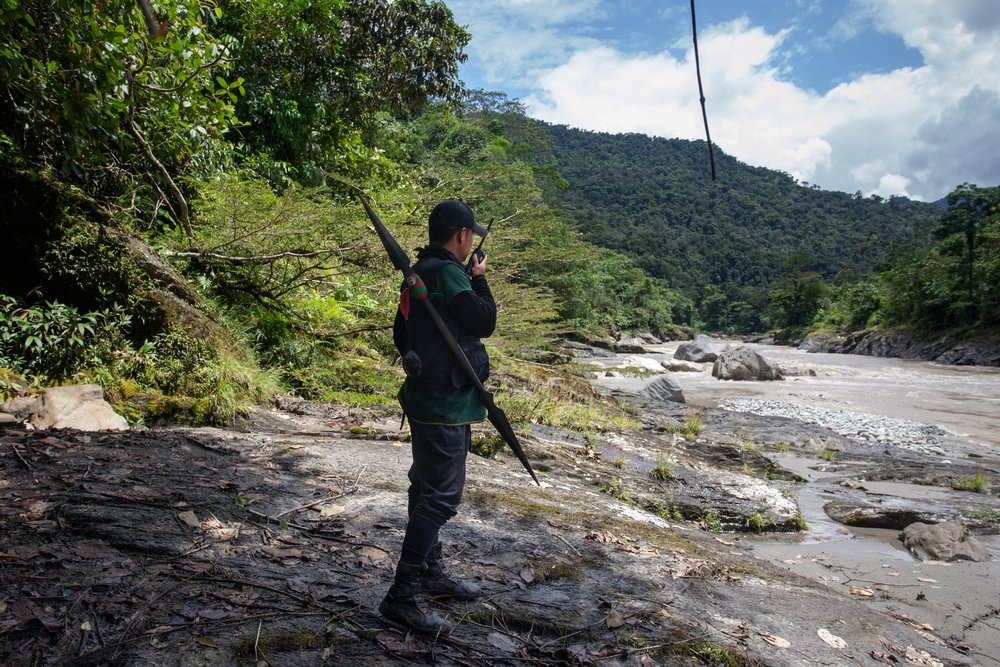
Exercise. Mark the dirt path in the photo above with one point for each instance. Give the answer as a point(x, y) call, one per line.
point(273, 546)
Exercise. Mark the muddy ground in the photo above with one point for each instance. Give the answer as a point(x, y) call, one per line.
point(272, 545)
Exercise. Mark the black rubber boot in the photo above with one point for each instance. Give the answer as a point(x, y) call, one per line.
point(403, 605)
point(436, 584)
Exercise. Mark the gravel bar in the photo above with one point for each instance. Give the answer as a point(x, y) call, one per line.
point(859, 426)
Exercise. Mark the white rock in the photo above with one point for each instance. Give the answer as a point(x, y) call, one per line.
point(645, 363)
point(80, 407)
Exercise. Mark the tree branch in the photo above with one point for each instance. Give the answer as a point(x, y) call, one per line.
point(182, 207)
point(251, 259)
point(174, 89)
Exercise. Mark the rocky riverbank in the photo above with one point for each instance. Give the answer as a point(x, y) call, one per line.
point(904, 345)
point(274, 543)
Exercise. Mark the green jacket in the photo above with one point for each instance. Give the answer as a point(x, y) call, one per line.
point(439, 392)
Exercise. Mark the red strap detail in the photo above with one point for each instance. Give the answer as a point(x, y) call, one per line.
point(404, 303)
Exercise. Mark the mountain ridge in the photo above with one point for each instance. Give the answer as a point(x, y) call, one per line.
point(653, 198)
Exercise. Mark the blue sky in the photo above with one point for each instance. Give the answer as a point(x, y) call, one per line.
point(883, 96)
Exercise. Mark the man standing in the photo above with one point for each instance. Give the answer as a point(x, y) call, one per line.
point(441, 403)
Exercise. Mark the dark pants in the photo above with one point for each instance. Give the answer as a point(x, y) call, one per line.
point(437, 478)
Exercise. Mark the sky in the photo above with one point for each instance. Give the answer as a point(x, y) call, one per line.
point(886, 97)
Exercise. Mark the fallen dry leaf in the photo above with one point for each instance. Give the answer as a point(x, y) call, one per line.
point(831, 639)
point(223, 533)
point(864, 592)
point(333, 510)
point(375, 553)
point(774, 640)
point(189, 519)
point(931, 638)
point(923, 658)
point(615, 619)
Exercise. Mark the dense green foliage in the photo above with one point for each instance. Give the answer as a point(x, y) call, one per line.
point(122, 114)
point(317, 74)
point(653, 199)
point(207, 142)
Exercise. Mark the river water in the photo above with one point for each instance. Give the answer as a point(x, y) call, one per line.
point(963, 400)
point(958, 599)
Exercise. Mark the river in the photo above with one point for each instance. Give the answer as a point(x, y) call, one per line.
point(963, 400)
point(958, 599)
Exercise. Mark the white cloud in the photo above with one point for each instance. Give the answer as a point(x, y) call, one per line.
point(517, 40)
point(892, 184)
point(914, 131)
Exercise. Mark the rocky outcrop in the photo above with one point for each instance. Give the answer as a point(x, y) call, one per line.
point(648, 338)
point(630, 345)
point(645, 363)
point(885, 512)
point(943, 350)
point(701, 349)
point(664, 388)
point(80, 407)
point(679, 366)
point(945, 541)
point(585, 350)
point(742, 363)
point(796, 371)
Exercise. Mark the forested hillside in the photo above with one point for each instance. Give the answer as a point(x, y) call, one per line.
point(654, 199)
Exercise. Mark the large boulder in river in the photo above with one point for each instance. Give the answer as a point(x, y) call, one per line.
point(644, 363)
point(742, 363)
point(699, 350)
point(80, 407)
point(945, 541)
point(664, 388)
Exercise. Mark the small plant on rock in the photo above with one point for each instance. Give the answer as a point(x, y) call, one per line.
point(757, 522)
point(976, 483)
point(664, 469)
point(711, 521)
point(694, 423)
point(616, 488)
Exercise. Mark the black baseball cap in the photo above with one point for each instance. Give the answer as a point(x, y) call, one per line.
point(455, 213)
